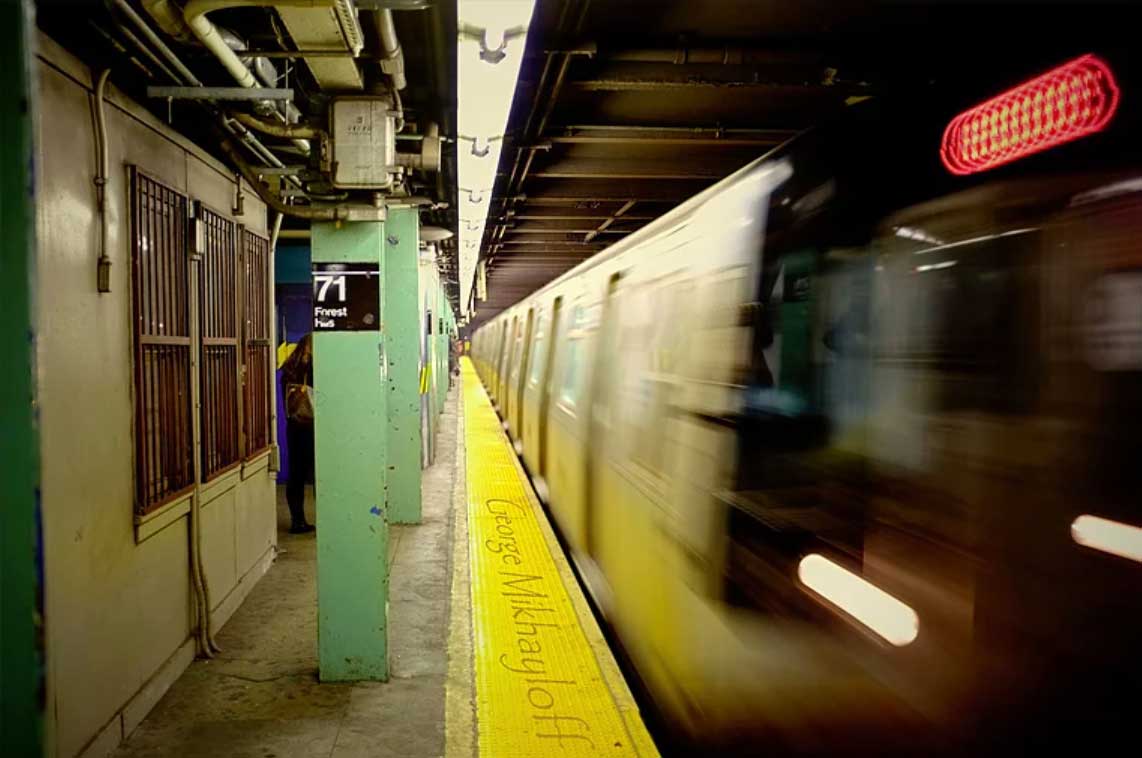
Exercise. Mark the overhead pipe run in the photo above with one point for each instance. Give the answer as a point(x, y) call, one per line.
point(392, 57)
point(195, 15)
point(428, 159)
point(187, 77)
point(279, 130)
point(339, 212)
point(311, 212)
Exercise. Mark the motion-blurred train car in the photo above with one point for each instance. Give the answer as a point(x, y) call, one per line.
point(845, 447)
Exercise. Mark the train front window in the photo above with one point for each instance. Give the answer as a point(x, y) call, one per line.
point(959, 312)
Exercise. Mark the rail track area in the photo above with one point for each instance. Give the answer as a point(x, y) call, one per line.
point(545, 680)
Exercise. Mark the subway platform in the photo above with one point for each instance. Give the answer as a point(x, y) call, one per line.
point(494, 650)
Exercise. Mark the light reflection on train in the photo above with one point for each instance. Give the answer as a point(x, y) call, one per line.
point(846, 453)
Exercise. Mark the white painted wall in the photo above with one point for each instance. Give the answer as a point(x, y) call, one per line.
point(117, 596)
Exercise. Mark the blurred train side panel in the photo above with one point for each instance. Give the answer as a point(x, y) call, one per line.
point(845, 447)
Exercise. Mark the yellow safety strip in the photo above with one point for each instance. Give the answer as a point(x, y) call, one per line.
point(546, 683)
point(424, 377)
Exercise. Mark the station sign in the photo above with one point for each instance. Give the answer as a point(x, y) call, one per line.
point(346, 297)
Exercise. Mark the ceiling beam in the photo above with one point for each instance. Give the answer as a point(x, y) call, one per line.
point(664, 141)
point(581, 226)
point(577, 217)
point(691, 131)
point(562, 191)
point(531, 240)
point(614, 216)
point(658, 85)
point(619, 173)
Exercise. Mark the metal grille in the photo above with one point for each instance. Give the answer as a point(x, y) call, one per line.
point(257, 350)
point(218, 287)
point(163, 428)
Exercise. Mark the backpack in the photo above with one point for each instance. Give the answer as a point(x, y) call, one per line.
point(299, 403)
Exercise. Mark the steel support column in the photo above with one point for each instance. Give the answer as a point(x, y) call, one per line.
point(351, 449)
point(21, 657)
point(402, 351)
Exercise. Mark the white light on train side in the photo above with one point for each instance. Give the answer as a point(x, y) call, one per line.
point(891, 619)
point(1108, 536)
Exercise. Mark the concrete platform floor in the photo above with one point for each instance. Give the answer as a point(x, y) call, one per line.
point(261, 699)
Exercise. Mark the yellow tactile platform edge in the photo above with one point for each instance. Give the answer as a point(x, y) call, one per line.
point(546, 683)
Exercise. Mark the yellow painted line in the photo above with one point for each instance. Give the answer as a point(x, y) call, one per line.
point(546, 683)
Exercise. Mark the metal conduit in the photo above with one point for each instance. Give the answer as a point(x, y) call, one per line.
point(392, 62)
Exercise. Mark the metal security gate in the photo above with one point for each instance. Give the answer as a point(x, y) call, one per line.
point(218, 287)
point(256, 336)
point(161, 309)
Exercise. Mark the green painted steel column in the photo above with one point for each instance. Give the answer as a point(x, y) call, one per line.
point(349, 377)
point(402, 348)
point(21, 709)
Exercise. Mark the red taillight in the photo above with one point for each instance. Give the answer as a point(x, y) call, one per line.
point(1068, 102)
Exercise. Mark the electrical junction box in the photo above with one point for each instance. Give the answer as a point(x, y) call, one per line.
point(364, 142)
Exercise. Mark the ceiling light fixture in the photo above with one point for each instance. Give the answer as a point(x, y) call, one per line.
point(489, 49)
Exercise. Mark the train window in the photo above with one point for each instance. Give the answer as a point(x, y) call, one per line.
point(963, 310)
point(572, 373)
point(538, 351)
point(637, 377)
point(573, 370)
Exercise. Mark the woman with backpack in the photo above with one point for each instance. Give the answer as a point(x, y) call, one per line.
point(297, 381)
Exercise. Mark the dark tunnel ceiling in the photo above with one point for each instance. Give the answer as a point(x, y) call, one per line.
point(627, 107)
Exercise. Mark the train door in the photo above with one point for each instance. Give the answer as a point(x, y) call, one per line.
point(497, 360)
point(519, 379)
point(505, 367)
point(545, 386)
point(510, 369)
point(531, 380)
point(602, 388)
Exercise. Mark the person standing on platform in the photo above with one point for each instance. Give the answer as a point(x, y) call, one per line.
point(297, 382)
point(453, 358)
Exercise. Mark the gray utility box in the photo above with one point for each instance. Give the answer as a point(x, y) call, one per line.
point(364, 142)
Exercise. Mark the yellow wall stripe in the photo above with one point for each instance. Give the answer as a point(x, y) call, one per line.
point(545, 684)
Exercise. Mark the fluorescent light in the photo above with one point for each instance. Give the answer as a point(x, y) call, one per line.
point(936, 266)
point(871, 606)
point(1112, 537)
point(486, 86)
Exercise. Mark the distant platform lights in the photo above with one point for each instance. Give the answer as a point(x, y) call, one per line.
point(489, 49)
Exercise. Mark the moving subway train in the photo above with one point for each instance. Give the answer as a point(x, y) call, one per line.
point(845, 447)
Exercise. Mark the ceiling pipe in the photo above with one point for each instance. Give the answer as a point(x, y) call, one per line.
point(392, 56)
point(149, 34)
point(428, 159)
point(310, 212)
point(187, 77)
point(274, 129)
point(214, 39)
point(169, 16)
